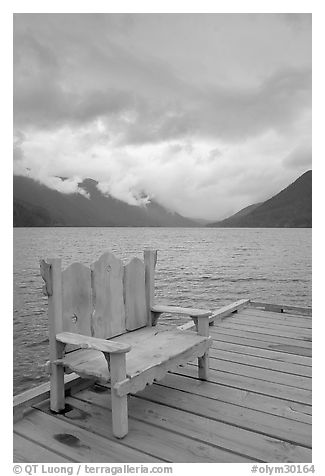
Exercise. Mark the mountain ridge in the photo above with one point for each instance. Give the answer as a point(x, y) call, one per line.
point(290, 208)
point(37, 205)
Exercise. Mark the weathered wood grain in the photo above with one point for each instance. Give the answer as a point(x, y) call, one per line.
point(243, 398)
point(253, 408)
point(225, 311)
point(135, 295)
point(300, 334)
point(74, 443)
point(86, 342)
point(262, 374)
point(270, 324)
point(250, 419)
point(55, 323)
point(37, 394)
point(156, 370)
point(164, 349)
point(108, 318)
point(27, 451)
point(119, 403)
point(150, 261)
point(242, 348)
point(250, 384)
point(187, 311)
point(282, 308)
point(88, 363)
point(277, 318)
point(76, 299)
point(203, 362)
point(253, 445)
point(269, 338)
point(261, 362)
point(220, 314)
point(149, 439)
point(290, 348)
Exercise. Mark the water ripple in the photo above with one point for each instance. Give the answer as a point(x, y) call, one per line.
point(197, 267)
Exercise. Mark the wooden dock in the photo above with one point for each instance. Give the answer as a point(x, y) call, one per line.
point(256, 406)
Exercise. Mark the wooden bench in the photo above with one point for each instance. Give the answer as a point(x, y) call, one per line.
point(102, 326)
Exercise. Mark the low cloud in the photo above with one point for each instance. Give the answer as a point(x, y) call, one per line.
point(299, 157)
point(201, 112)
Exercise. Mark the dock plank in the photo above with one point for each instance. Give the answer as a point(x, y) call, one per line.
point(267, 321)
point(281, 308)
point(253, 445)
point(251, 384)
point(27, 451)
point(143, 436)
point(262, 344)
point(275, 426)
point(255, 401)
point(260, 373)
point(261, 362)
point(294, 319)
point(271, 330)
point(223, 330)
point(75, 444)
point(265, 353)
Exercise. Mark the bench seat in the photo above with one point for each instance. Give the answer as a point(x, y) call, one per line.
point(153, 353)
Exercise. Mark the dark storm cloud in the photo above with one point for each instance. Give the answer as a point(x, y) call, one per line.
point(178, 105)
point(229, 114)
point(113, 81)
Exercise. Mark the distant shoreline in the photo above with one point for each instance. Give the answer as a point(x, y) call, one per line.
point(172, 227)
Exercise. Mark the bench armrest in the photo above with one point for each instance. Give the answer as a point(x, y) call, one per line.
point(86, 342)
point(197, 313)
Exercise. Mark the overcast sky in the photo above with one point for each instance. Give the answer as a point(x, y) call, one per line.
point(206, 113)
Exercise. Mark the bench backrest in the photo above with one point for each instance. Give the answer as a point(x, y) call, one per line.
point(104, 300)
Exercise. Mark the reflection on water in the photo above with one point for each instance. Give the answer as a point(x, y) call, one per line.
point(199, 267)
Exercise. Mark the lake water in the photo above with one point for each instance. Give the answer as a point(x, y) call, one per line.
point(201, 267)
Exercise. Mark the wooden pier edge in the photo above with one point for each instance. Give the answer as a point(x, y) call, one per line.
point(219, 314)
point(282, 308)
point(236, 306)
point(73, 383)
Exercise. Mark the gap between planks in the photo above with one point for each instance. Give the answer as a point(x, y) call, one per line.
point(27, 451)
point(292, 394)
point(243, 398)
point(74, 442)
point(279, 331)
point(261, 362)
point(281, 308)
point(145, 436)
point(258, 373)
point(221, 329)
point(256, 343)
point(280, 427)
point(262, 352)
point(198, 427)
point(247, 314)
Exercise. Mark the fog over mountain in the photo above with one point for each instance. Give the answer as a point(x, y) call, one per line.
point(204, 113)
point(37, 205)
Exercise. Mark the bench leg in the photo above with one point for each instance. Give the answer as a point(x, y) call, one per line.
point(119, 415)
point(203, 362)
point(119, 404)
point(203, 366)
point(57, 394)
